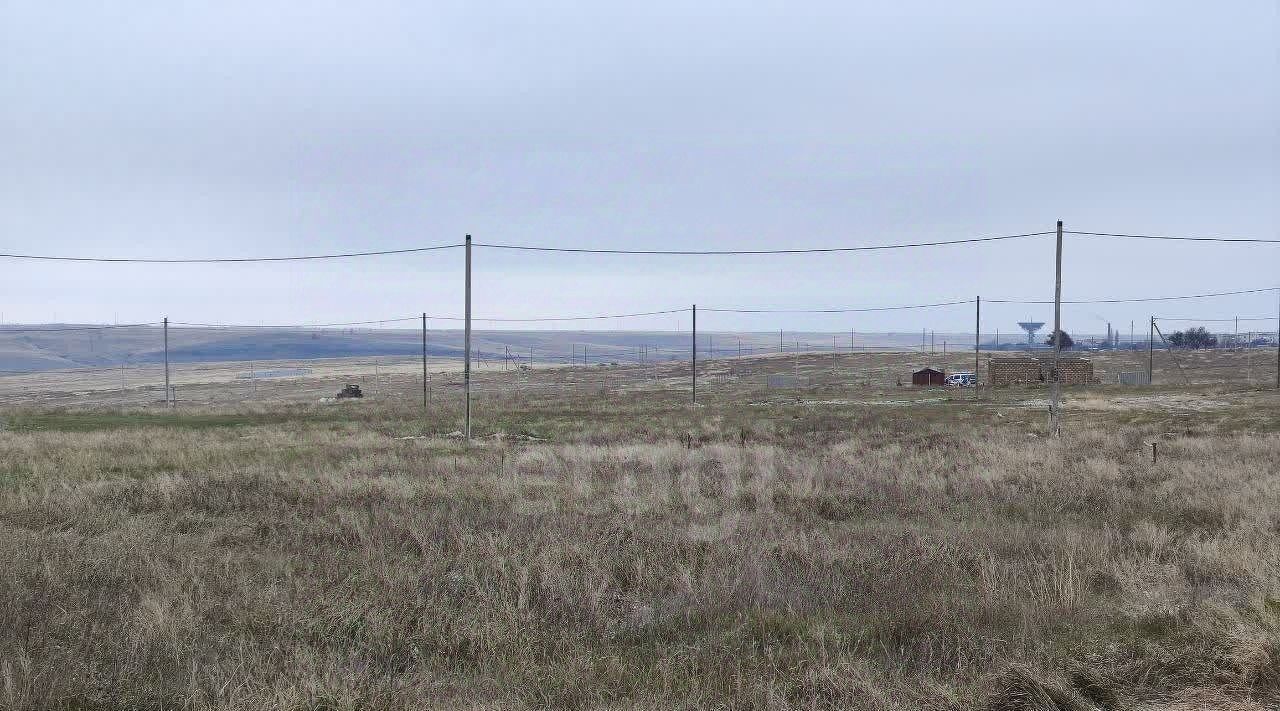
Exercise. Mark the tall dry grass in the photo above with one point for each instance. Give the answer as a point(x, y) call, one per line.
point(891, 564)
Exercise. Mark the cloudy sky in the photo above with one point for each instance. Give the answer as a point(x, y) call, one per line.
point(262, 129)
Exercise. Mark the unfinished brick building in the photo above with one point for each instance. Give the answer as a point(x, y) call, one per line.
point(1071, 371)
point(1026, 369)
point(1014, 371)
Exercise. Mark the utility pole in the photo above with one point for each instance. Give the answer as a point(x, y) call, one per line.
point(693, 353)
point(977, 340)
point(1055, 404)
point(424, 361)
point(466, 348)
point(167, 401)
point(1151, 358)
point(779, 340)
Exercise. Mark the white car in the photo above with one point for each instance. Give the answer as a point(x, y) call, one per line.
point(962, 380)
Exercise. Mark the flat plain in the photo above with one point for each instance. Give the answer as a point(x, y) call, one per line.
point(604, 543)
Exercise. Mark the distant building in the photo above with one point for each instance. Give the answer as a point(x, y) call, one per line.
point(929, 376)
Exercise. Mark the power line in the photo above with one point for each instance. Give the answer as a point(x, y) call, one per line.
point(1251, 240)
point(434, 318)
point(594, 317)
point(842, 310)
point(7, 329)
point(591, 250)
point(294, 325)
point(580, 318)
point(224, 260)
point(1140, 300)
point(1216, 320)
point(725, 252)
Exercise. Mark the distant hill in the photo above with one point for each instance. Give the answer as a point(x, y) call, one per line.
point(60, 346)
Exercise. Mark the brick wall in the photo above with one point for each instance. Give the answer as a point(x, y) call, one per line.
point(1072, 371)
point(1014, 371)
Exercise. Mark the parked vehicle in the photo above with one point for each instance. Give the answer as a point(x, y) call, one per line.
point(351, 390)
point(962, 380)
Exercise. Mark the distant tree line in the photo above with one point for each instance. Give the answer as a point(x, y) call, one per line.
point(1066, 339)
point(1196, 337)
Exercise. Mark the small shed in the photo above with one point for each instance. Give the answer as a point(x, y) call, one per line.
point(929, 376)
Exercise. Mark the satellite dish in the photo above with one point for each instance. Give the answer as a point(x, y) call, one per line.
point(1031, 327)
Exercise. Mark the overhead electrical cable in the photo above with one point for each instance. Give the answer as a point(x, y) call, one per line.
point(1246, 240)
point(661, 312)
point(838, 310)
point(224, 260)
point(601, 250)
point(295, 325)
point(59, 329)
point(1136, 300)
point(726, 252)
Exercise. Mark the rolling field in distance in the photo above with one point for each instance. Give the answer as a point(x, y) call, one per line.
point(603, 543)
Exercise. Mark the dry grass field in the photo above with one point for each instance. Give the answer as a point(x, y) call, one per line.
point(603, 544)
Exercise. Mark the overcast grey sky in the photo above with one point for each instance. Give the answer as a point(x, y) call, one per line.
point(258, 128)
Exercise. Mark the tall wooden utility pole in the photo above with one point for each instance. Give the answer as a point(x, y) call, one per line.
point(424, 362)
point(167, 400)
point(1151, 357)
point(693, 353)
point(1055, 403)
point(466, 348)
point(977, 340)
